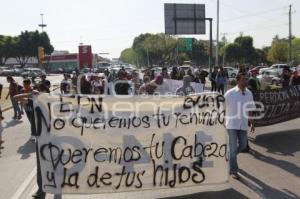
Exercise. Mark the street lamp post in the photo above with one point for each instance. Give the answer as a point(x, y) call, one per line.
point(42, 25)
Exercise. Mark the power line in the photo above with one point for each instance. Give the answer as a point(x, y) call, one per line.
point(260, 28)
point(251, 15)
point(255, 15)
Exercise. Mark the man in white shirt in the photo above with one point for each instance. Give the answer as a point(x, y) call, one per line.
point(239, 105)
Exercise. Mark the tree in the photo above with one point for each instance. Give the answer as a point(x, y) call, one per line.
point(241, 50)
point(161, 49)
point(232, 52)
point(198, 55)
point(27, 44)
point(130, 56)
point(278, 52)
point(247, 51)
point(296, 49)
point(7, 48)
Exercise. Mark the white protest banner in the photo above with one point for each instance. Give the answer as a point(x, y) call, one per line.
point(93, 144)
point(171, 84)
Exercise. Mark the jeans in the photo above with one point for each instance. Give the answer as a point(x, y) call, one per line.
point(221, 88)
point(213, 86)
point(237, 143)
point(30, 116)
point(16, 107)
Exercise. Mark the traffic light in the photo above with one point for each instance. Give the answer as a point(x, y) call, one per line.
point(41, 54)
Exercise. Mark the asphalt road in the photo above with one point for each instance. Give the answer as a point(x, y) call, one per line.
point(270, 170)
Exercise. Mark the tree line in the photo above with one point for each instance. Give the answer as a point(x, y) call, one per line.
point(24, 46)
point(165, 50)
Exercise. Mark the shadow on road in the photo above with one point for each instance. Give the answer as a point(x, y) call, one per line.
point(26, 149)
point(284, 143)
point(11, 123)
point(262, 189)
point(228, 193)
point(280, 143)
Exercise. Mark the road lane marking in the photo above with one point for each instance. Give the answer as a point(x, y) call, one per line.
point(25, 184)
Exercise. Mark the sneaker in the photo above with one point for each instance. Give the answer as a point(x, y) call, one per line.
point(32, 138)
point(38, 195)
point(19, 117)
point(235, 175)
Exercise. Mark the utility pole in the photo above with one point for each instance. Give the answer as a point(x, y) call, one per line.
point(290, 34)
point(224, 53)
point(217, 46)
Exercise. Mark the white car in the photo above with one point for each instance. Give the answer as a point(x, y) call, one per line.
point(268, 77)
point(232, 72)
point(278, 67)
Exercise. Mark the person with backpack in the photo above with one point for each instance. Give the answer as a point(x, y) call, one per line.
point(12, 91)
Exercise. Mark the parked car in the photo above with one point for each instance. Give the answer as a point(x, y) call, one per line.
point(32, 72)
point(232, 72)
point(255, 70)
point(5, 71)
point(3, 68)
point(18, 70)
point(278, 67)
point(268, 77)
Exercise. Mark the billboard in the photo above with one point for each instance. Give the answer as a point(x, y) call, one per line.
point(85, 56)
point(184, 18)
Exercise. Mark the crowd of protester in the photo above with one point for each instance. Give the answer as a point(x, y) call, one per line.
point(129, 83)
point(124, 83)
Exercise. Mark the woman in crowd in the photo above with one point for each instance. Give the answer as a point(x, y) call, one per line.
point(221, 80)
point(98, 84)
point(136, 82)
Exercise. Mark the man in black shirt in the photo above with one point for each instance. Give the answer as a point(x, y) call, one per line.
point(121, 85)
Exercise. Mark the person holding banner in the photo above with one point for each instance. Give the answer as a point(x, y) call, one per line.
point(239, 105)
point(27, 98)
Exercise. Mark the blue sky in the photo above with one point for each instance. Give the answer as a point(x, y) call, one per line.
point(111, 25)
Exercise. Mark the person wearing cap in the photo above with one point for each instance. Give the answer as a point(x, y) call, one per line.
point(98, 84)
